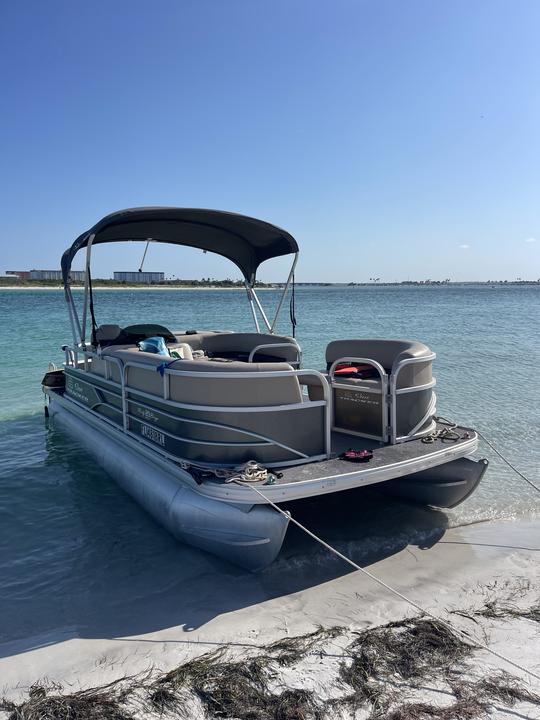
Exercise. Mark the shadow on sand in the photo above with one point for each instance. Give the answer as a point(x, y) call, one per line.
point(83, 560)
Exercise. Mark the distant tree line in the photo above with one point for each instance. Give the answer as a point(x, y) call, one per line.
point(107, 282)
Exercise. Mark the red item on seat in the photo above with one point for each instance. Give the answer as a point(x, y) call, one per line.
point(351, 369)
point(345, 370)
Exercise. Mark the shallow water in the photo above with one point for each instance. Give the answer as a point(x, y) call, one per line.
point(68, 535)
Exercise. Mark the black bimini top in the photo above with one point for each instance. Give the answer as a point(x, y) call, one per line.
point(245, 241)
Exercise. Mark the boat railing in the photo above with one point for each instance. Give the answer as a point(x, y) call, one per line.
point(128, 393)
point(70, 355)
point(389, 393)
point(382, 391)
point(395, 392)
point(272, 346)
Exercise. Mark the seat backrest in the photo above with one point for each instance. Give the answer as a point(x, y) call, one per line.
point(195, 337)
point(107, 332)
point(246, 342)
point(228, 391)
point(384, 352)
point(98, 365)
point(388, 353)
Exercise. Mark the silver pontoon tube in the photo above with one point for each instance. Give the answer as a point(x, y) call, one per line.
point(250, 537)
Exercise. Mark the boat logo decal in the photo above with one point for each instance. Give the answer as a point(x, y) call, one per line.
point(359, 397)
point(145, 413)
point(76, 389)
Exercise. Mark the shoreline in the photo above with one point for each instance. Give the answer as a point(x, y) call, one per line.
point(299, 286)
point(220, 606)
point(133, 287)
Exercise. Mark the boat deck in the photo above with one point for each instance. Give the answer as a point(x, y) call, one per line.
point(383, 455)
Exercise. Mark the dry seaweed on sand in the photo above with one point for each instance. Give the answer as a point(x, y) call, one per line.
point(499, 687)
point(460, 710)
point(297, 705)
point(48, 703)
point(495, 610)
point(166, 691)
point(473, 699)
point(412, 649)
point(233, 689)
point(383, 664)
point(506, 606)
point(287, 651)
point(237, 689)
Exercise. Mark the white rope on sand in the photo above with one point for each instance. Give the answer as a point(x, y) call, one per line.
point(400, 595)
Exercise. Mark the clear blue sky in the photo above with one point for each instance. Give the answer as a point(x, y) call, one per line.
point(393, 139)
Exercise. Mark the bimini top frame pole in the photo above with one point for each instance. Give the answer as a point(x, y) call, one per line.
point(73, 317)
point(283, 294)
point(252, 295)
point(86, 287)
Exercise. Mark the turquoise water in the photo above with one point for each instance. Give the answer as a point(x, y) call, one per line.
point(68, 534)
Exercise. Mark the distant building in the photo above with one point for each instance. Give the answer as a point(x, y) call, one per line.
point(20, 274)
point(76, 275)
point(45, 274)
point(139, 277)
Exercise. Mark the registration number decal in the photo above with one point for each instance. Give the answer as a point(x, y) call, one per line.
point(153, 435)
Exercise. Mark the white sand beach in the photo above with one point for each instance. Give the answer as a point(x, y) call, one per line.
point(496, 562)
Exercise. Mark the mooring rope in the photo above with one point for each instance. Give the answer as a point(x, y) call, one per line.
point(449, 432)
point(388, 587)
point(521, 475)
point(249, 472)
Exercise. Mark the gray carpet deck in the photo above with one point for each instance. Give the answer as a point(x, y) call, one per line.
point(382, 455)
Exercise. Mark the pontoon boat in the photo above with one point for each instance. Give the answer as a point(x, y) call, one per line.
point(187, 429)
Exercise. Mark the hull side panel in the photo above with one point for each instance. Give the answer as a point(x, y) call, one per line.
point(221, 436)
